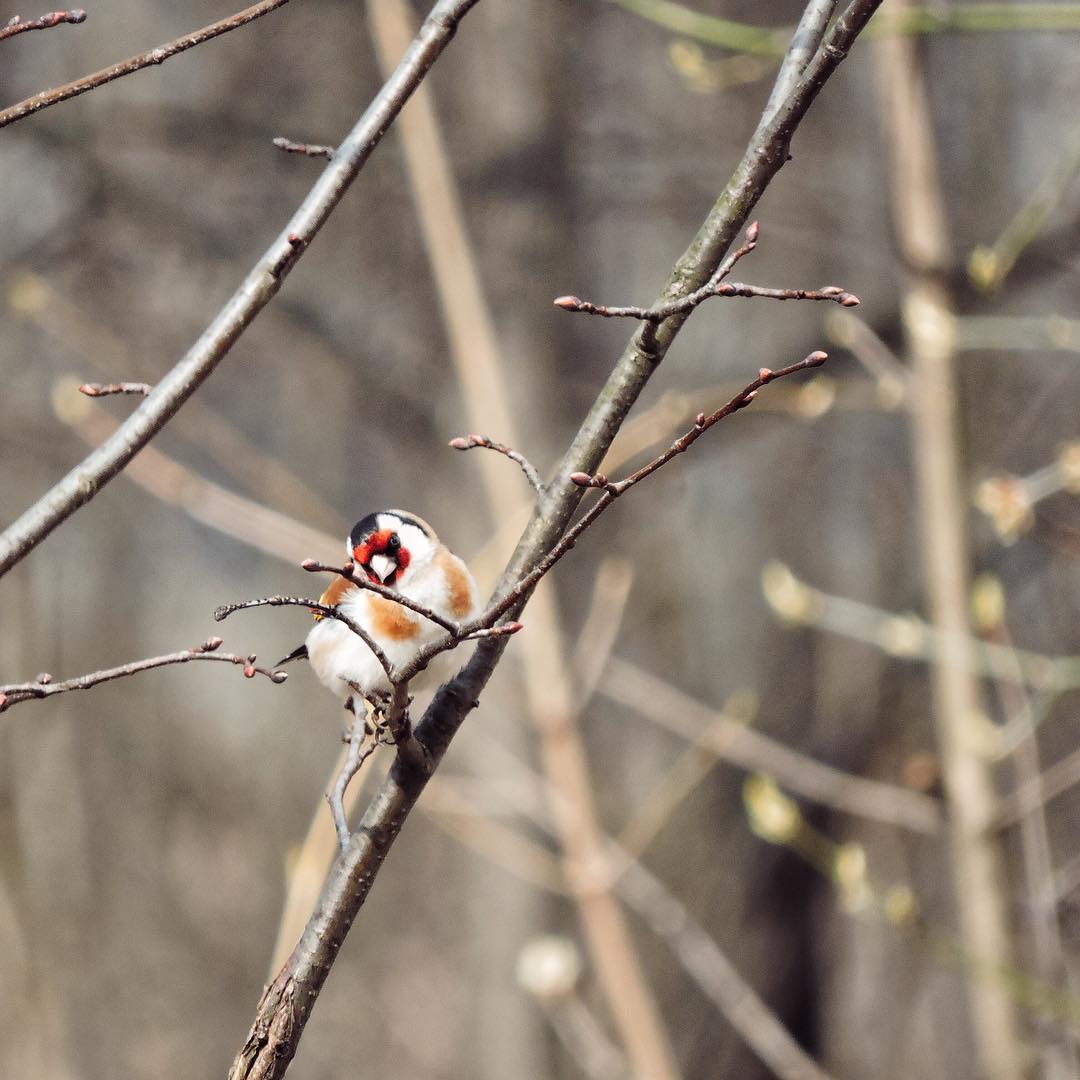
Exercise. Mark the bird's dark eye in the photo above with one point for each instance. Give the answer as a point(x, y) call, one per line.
point(393, 543)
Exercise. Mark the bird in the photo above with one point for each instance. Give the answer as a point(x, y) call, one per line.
point(402, 552)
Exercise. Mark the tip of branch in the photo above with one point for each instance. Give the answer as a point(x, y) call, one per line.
point(817, 358)
point(221, 613)
point(90, 389)
point(76, 15)
point(582, 479)
point(310, 564)
point(850, 300)
point(753, 231)
point(278, 676)
point(459, 443)
point(512, 627)
point(567, 303)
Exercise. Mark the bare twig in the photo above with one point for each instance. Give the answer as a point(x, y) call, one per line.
point(93, 389)
point(467, 442)
point(307, 149)
point(715, 287)
point(684, 305)
point(136, 63)
point(54, 18)
point(223, 612)
point(286, 1004)
point(348, 572)
point(362, 743)
point(43, 686)
point(256, 291)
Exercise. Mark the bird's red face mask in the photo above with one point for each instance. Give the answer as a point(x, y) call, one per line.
point(382, 557)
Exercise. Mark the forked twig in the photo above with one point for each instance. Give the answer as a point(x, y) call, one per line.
point(715, 286)
point(43, 686)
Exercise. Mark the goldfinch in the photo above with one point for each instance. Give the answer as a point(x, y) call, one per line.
point(402, 552)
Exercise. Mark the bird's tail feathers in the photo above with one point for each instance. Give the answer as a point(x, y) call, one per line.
point(299, 653)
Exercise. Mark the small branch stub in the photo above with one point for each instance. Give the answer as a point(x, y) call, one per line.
point(468, 442)
point(105, 389)
point(307, 149)
point(53, 18)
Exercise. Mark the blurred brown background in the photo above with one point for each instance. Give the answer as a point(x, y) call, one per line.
point(147, 827)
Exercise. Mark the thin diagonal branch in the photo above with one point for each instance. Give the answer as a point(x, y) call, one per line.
point(135, 63)
point(255, 292)
point(46, 22)
point(43, 686)
point(348, 572)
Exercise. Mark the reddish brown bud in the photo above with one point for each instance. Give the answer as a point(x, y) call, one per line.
point(851, 300)
point(582, 479)
point(699, 420)
point(460, 443)
point(752, 232)
point(279, 676)
point(567, 303)
point(89, 389)
point(725, 288)
point(817, 357)
point(213, 643)
point(831, 291)
point(310, 564)
point(600, 480)
point(764, 373)
point(249, 672)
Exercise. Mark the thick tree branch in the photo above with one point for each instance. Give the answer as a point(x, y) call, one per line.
point(43, 686)
point(286, 1004)
point(132, 63)
point(256, 291)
